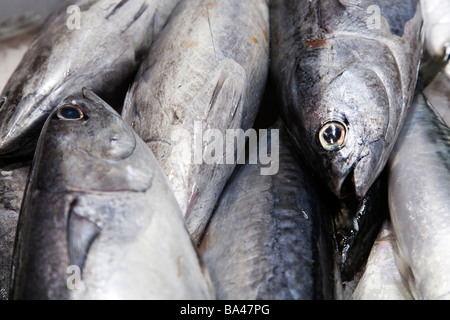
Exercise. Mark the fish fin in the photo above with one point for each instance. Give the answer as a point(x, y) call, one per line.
point(89, 94)
point(406, 273)
point(224, 93)
point(81, 233)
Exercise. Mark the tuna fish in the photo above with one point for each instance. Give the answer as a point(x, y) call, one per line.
point(83, 43)
point(346, 72)
point(419, 201)
point(382, 279)
point(99, 220)
point(13, 179)
point(205, 73)
point(270, 235)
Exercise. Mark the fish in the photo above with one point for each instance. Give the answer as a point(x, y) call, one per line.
point(19, 17)
point(382, 279)
point(98, 44)
point(11, 53)
point(345, 72)
point(198, 83)
point(437, 28)
point(99, 220)
point(437, 94)
point(270, 236)
point(356, 225)
point(13, 179)
point(419, 201)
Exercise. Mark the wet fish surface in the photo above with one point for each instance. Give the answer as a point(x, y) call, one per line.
point(437, 94)
point(419, 201)
point(346, 72)
point(13, 179)
point(382, 279)
point(99, 220)
point(270, 236)
point(205, 73)
point(18, 17)
point(98, 44)
point(356, 226)
point(437, 27)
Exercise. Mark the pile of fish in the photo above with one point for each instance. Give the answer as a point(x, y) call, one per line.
point(201, 149)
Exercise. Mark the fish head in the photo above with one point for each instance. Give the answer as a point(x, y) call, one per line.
point(346, 124)
point(86, 146)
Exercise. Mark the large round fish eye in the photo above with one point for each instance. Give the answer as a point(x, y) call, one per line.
point(332, 135)
point(70, 113)
point(2, 101)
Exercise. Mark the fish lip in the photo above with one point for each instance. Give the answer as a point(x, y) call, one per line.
point(349, 185)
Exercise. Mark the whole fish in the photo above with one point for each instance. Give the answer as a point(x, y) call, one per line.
point(205, 74)
point(99, 220)
point(382, 279)
point(270, 236)
point(436, 15)
point(82, 43)
point(437, 94)
point(346, 72)
point(13, 179)
point(419, 200)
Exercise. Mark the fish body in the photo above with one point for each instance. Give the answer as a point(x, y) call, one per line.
point(437, 94)
point(11, 53)
point(205, 74)
point(19, 17)
point(13, 179)
point(382, 279)
point(419, 201)
point(98, 44)
point(437, 27)
point(346, 72)
point(98, 219)
point(270, 237)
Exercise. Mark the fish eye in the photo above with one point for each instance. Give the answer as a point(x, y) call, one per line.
point(70, 113)
point(332, 135)
point(2, 101)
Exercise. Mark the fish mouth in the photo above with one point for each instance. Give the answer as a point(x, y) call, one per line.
point(355, 183)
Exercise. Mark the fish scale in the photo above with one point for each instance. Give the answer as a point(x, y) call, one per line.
point(268, 239)
point(196, 73)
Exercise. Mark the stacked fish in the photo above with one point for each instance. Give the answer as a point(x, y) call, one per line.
point(131, 165)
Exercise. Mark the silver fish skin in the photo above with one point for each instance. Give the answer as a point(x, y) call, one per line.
point(269, 237)
point(419, 200)
point(13, 179)
point(437, 94)
point(99, 220)
point(206, 71)
point(102, 51)
point(19, 17)
point(436, 15)
point(382, 279)
point(346, 72)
